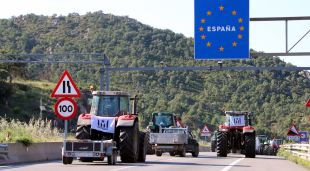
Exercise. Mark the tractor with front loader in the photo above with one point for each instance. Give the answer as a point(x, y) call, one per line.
point(110, 128)
point(236, 135)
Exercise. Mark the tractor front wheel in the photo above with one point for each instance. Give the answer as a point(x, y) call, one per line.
point(82, 132)
point(150, 150)
point(213, 145)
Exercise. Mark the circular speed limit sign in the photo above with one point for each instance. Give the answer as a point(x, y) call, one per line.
point(65, 108)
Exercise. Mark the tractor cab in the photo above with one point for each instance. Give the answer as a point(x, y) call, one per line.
point(261, 139)
point(238, 118)
point(111, 103)
point(162, 120)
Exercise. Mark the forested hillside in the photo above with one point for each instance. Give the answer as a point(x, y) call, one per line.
point(276, 98)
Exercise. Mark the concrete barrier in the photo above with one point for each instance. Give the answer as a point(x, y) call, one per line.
point(18, 153)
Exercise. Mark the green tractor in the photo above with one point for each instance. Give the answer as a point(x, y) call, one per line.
point(166, 133)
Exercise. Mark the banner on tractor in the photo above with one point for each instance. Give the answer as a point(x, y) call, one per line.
point(103, 124)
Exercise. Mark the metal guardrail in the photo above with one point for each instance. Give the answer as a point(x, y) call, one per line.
point(300, 150)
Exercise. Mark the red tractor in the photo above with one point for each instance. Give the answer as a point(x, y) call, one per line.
point(112, 117)
point(237, 134)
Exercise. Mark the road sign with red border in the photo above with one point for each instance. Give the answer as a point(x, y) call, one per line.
point(65, 108)
point(308, 103)
point(66, 87)
point(205, 131)
point(293, 131)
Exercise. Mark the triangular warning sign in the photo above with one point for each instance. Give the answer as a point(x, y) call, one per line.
point(293, 131)
point(308, 103)
point(66, 87)
point(205, 130)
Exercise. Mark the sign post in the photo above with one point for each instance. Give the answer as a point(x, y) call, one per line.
point(65, 108)
point(221, 29)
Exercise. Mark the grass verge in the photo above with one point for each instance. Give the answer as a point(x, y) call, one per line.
point(36, 130)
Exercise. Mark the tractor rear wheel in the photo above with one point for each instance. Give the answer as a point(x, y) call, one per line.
point(129, 143)
point(249, 145)
point(142, 147)
point(82, 132)
point(221, 145)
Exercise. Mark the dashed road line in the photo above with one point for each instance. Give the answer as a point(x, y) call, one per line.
point(128, 167)
point(232, 164)
point(123, 168)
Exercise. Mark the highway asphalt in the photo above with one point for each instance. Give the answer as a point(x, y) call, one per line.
point(207, 161)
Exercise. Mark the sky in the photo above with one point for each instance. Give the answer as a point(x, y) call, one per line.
point(178, 16)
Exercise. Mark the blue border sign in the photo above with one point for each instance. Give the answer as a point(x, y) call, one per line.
point(222, 29)
point(304, 136)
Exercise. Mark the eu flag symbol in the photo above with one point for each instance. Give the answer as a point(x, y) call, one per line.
point(222, 29)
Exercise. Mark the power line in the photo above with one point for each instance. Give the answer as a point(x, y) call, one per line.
point(38, 59)
point(212, 68)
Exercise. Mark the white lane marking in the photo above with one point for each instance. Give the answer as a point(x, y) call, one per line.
point(232, 164)
point(128, 167)
point(122, 168)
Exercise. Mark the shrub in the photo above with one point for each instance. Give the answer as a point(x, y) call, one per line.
point(36, 130)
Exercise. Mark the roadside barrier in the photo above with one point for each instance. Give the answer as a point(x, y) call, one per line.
point(300, 150)
point(18, 153)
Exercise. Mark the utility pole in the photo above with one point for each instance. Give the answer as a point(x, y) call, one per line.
point(40, 107)
point(107, 65)
point(101, 71)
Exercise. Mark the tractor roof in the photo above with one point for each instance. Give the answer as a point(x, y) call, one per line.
point(110, 93)
point(237, 113)
point(164, 113)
